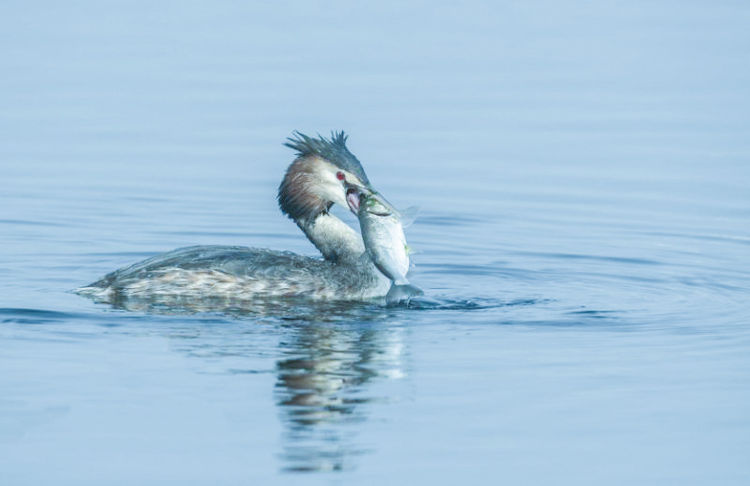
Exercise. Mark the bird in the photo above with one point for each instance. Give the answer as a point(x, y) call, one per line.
point(323, 173)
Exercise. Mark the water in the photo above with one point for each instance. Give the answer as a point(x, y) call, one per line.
point(584, 178)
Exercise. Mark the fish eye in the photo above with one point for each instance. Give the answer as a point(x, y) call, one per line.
point(340, 176)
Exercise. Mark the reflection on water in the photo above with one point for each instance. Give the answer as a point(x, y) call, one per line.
point(330, 352)
point(282, 308)
point(328, 355)
point(322, 390)
point(299, 308)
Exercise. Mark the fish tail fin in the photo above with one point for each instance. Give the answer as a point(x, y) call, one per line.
point(408, 216)
point(402, 292)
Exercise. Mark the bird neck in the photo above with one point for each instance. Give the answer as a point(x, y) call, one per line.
point(336, 240)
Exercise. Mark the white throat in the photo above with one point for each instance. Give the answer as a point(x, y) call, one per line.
point(335, 239)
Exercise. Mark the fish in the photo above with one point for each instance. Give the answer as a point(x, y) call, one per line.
point(385, 243)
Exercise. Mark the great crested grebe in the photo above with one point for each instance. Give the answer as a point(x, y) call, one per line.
point(324, 173)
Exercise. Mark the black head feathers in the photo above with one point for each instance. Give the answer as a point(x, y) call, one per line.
point(333, 150)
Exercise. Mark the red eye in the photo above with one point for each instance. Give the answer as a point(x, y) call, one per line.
point(340, 176)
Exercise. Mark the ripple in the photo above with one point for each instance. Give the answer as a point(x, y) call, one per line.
point(579, 256)
point(594, 314)
point(443, 221)
point(23, 222)
point(34, 316)
point(428, 303)
point(720, 238)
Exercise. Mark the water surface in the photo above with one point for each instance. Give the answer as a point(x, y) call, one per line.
point(584, 238)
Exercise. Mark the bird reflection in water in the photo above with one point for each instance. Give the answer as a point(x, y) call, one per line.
point(330, 355)
point(322, 389)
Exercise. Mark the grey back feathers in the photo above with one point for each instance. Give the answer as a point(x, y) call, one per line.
point(333, 150)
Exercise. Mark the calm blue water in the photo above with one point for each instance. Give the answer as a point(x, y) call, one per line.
point(584, 177)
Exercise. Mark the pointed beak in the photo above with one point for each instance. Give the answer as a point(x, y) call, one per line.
point(352, 197)
point(354, 192)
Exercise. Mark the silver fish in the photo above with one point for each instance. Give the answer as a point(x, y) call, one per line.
point(383, 234)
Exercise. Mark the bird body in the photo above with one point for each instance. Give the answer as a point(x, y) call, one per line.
point(321, 175)
point(239, 273)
